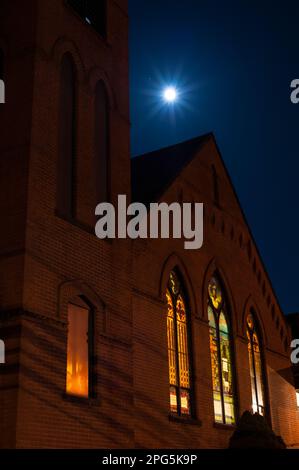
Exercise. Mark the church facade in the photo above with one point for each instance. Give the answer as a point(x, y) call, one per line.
point(119, 343)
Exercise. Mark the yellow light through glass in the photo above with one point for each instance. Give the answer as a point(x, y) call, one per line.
point(77, 351)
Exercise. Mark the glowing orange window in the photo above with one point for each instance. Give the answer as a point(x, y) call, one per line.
point(77, 382)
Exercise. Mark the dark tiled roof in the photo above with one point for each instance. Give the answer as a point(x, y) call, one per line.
point(152, 173)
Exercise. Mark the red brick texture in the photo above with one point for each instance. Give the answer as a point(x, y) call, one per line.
point(46, 260)
point(228, 249)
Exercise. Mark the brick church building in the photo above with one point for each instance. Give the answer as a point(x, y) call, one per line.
point(119, 343)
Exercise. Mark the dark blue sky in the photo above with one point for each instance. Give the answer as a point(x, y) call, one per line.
point(233, 61)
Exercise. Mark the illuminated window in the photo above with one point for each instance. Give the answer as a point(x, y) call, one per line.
point(78, 350)
point(178, 349)
point(101, 137)
point(255, 366)
point(67, 138)
point(93, 12)
point(221, 356)
point(297, 398)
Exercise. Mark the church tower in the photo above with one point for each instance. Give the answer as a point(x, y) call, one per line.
point(119, 343)
point(64, 294)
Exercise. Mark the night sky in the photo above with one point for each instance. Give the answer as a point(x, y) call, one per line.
point(232, 62)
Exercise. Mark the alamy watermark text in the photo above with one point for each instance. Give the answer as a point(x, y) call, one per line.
point(2, 352)
point(135, 221)
point(2, 92)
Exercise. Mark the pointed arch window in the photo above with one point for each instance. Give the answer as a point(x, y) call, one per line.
point(79, 349)
point(255, 366)
point(101, 140)
point(67, 138)
point(180, 389)
point(221, 355)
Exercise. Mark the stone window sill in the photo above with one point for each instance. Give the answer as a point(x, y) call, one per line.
point(227, 427)
point(87, 401)
point(184, 420)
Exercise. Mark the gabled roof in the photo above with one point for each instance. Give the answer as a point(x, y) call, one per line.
point(152, 173)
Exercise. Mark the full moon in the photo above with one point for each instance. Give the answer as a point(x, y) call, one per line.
point(170, 94)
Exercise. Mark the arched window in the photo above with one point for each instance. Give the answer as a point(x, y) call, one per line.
point(221, 355)
point(255, 366)
point(67, 139)
point(79, 348)
point(178, 348)
point(101, 140)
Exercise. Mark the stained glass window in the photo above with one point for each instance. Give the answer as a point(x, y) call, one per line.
point(221, 355)
point(255, 366)
point(77, 382)
point(178, 349)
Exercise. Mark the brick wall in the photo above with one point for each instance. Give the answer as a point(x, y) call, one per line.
point(46, 260)
point(229, 249)
point(62, 258)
